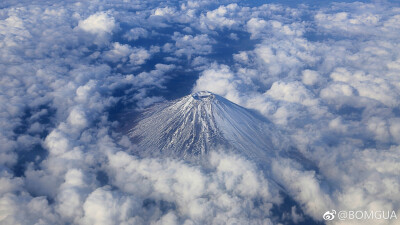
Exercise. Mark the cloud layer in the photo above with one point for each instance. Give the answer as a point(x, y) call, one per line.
point(326, 76)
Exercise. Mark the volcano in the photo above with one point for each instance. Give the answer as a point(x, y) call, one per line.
point(194, 125)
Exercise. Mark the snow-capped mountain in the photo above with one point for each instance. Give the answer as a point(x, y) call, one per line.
point(198, 123)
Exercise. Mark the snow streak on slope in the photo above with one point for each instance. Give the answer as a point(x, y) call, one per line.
point(195, 124)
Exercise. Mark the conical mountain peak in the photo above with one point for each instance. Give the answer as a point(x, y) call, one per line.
point(194, 125)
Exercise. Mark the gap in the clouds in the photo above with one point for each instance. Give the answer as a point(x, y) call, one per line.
point(164, 206)
point(349, 112)
point(35, 153)
point(396, 111)
point(180, 84)
point(33, 156)
point(102, 177)
point(283, 213)
point(42, 115)
point(226, 46)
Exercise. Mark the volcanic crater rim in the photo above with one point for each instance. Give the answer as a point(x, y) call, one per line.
point(203, 95)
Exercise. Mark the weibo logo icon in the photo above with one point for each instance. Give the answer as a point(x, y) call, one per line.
point(329, 215)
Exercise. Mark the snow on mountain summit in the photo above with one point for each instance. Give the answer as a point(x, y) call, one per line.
point(198, 123)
